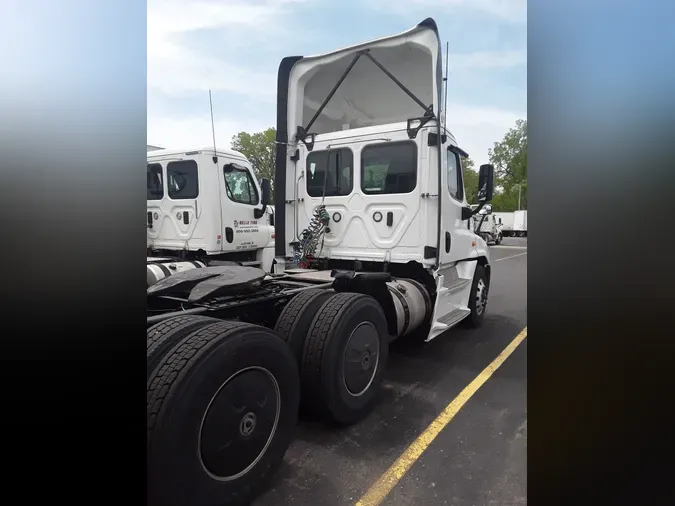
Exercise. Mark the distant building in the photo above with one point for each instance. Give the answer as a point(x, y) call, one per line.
point(153, 148)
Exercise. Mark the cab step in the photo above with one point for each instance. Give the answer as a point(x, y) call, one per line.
point(454, 316)
point(456, 284)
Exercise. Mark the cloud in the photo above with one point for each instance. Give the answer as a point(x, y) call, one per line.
point(195, 132)
point(176, 69)
point(478, 128)
point(487, 60)
point(514, 11)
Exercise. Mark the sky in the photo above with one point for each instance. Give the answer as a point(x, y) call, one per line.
point(233, 47)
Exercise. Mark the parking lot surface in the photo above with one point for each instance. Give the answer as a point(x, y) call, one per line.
point(478, 458)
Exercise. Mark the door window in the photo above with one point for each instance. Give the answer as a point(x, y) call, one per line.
point(182, 180)
point(330, 173)
point(240, 186)
point(455, 184)
point(389, 168)
point(155, 182)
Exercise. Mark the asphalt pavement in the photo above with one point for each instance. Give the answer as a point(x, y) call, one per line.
point(478, 458)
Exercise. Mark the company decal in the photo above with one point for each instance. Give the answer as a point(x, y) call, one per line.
point(246, 227)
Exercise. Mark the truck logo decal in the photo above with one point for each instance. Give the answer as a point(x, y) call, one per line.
point(246, 227)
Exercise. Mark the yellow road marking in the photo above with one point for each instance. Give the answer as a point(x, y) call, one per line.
point(381, 488)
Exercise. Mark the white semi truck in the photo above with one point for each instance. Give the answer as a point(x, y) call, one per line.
point(205, 207)
point(373, 243)
point(487, 225)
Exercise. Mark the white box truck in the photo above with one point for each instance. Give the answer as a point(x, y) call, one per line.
point(505, 220)
point(520, 223)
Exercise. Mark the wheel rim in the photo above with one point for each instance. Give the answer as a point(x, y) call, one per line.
point(361, 359)
point(481, 296)
point(239, 423)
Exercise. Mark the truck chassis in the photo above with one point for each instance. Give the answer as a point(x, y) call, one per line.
point(234, 352)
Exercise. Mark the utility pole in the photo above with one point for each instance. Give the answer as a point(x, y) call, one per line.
point(520, 187)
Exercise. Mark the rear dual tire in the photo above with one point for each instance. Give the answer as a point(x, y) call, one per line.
point(344, 357)
point(161, 337)
point(222, 405)
point(296, 318)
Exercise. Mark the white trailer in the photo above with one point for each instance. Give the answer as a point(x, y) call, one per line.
point(373, 243)
point(205, 207)
point(520, 223)
point(505, 220)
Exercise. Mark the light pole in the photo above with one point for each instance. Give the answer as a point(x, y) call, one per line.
point(520, 187)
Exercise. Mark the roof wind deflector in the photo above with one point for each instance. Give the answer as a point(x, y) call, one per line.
point(303, 135)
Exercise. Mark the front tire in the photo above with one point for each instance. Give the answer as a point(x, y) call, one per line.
point(478, 298)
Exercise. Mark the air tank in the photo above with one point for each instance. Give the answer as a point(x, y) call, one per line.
point(159, 268)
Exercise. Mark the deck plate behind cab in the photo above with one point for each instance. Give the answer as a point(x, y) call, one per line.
point(209, 282)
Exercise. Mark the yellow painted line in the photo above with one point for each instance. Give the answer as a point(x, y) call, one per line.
point(381, 488)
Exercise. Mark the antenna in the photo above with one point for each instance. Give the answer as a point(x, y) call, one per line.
point(445, 105)
point(213, 128)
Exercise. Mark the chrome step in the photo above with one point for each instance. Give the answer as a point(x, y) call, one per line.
point(455, 284)
point(454, 316)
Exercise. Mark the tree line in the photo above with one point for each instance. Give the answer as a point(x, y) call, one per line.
point(509, 157)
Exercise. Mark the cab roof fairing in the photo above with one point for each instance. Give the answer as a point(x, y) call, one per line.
point(413, 57)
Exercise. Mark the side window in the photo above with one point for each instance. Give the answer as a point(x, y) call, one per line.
point(182, 180)
point(155, 182)
point(239, 185)
point(330, 173)
point(455, 184)
point(389, 168)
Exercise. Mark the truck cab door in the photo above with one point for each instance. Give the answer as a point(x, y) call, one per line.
point(453, 282)
point(241, 196)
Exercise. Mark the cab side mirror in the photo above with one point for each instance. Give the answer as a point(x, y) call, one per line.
point(485, 182)
point(265, 187)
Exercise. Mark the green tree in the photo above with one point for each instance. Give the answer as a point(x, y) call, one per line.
point(470, 177)
point(509, 157)
point(260, 149)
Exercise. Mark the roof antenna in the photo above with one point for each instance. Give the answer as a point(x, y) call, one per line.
point(213, 130)
point(445, 105)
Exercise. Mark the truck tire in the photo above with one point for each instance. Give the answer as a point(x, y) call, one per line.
point(222, 406)
point(162, 336)
point(344, 358)
point(478, 298)
point(294, 321)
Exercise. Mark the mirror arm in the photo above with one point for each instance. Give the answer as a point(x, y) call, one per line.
point(480, 206)
point(259, 213)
